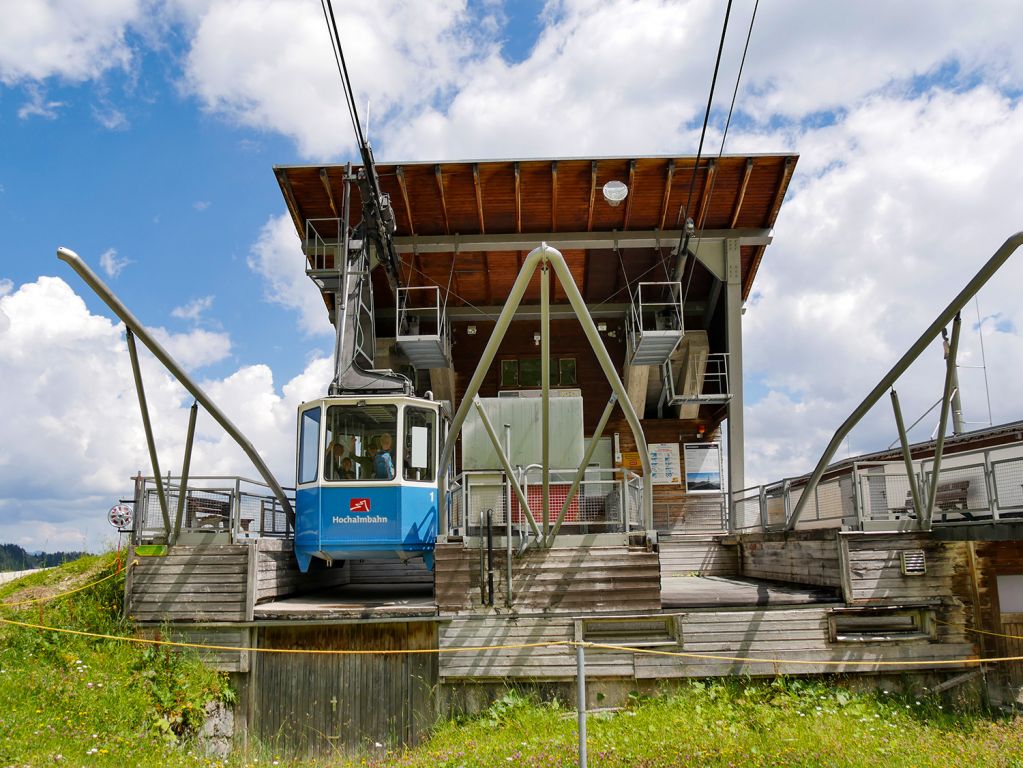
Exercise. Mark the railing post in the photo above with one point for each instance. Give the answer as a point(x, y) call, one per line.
point(857, 494)
point(763, 507)
point(992, 488)
point(580, 693)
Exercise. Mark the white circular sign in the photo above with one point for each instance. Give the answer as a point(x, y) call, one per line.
point(120, 516)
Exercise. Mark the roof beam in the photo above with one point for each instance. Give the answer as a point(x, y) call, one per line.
point(742, 192)
point(593, 194)
point(554, 196)
point(330, 193)
point(518, 199)
point(667, 192)
point(631, 197)
point(708, 184)
point(571, 240)
point(458, 313)
point(289, 200)
point(404, 196)
point(479, 196)
point(440, 188)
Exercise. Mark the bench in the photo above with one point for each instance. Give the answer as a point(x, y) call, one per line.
point(950, 496)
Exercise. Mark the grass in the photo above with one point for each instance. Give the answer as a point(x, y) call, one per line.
point(76, 701)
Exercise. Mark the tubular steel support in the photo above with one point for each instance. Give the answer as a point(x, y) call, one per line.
point(910, 475)
point(523, 503)
point(582, 468)
point(946, 401)
point(554, 257)
point(545, 394)
point(133, 353)
point(108, 297)
point(185, 465)
point(993, 264)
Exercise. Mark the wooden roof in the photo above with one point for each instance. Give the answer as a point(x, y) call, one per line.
point(469, 224)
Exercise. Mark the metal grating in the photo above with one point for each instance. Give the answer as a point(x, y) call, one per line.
point(914, 562)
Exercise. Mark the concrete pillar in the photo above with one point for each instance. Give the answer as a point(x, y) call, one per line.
point(636, 379)
point(733, 308)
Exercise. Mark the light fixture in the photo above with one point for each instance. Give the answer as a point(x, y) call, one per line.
point(614, 193)
point(601, 327)
point(471, 330)
point(536, 338)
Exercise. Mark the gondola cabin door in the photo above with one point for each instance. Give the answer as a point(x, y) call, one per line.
point(366, 480)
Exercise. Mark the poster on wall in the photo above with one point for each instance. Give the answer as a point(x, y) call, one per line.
point(665, 467)
point(703, 467)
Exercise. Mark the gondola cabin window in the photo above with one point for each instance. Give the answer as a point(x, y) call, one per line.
point(359, 443)
point(309, 442)
point(420, 439)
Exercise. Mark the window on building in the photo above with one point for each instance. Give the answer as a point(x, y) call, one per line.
point(509, 373)
point(529, 372)
point(566, 372)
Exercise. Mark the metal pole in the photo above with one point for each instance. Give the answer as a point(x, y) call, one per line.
point(508, 523)
point(582, 467)
point(490, 557)
point(185, 464)
point(108, 297)
point(580, 701)
point(993, 264)
point(523, 504)
point(939, 446)
point(545, 397)
point(148, 427)
point(957, 402)
point(906, 456)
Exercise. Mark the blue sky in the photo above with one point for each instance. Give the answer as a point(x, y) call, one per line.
point(146, 130)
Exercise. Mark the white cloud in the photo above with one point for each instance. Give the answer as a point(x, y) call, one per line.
point(194, 309)
point(38, 105)
point(403, 55)
point(73, 436)
point(277, 257)
point(6, 286)
point(201, 205)
point(195, 348)
point(110, 117)
point(75, 40)
point(111, 263)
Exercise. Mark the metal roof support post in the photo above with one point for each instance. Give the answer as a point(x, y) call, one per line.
point(594, 439)
point(914, 489)
point(733, 316)
point(946, 398)
point(545, 396)
point(506, 464)
point(133, 353)
point(185, 465)
point(993, 265)
point(610, 372)
point(108, 297)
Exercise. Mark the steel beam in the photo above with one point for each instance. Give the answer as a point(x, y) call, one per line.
point(148, 427)
point(545, 396)
point(650, 238)
point(990, 267)
point(186, 464)
point(133, 324)
point(946, 402)
point(914, 489)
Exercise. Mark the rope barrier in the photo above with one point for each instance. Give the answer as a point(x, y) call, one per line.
point(51, 598)
point(979, 631)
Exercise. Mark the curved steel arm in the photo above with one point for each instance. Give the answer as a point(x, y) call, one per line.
point(108, 297)
point(993, 264)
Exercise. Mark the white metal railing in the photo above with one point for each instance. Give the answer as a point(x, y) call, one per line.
point(235, 507)
point(709, 377)
point(422, 329)
point(975, 486)
point(607, 500)
point(322, 238)
point(655, 325)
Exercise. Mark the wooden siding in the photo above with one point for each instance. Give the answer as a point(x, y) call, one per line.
point(554, 580)
point(321, 703)
point(222, 660)
point(201, 583)
point(277, 572)
point(698, 555)
point(873, 569)
point(994, 558)
point(780, 635)
point(800, 557)
point(390, 571)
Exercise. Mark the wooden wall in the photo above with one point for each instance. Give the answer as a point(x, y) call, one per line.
point(700, 555)
point(322, 703)
point(799, 557)
point(390, 570)
point(277, 573)
point(872, 568)
point(570, 579)
point(994, 558)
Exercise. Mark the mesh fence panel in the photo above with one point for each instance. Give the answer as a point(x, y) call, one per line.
point(1008, 475)
point(961, 493)
point(746, 510)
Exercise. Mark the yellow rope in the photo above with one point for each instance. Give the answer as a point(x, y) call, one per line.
point(979, 631)
point(35, 600)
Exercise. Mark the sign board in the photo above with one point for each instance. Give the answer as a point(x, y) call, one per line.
point(703, 467)
point(665, 467)
point(120, 516)
point(630, 460)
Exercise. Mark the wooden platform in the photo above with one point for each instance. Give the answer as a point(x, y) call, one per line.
point(718, 591)
point(353, 601)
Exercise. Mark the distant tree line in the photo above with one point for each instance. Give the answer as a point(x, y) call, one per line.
point(15, 558)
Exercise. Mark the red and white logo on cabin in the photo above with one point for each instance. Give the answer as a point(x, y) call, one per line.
point(358, 505)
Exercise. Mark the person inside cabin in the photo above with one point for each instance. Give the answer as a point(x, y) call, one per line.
point(347, 469)
point(335, 454)
point(383, 462)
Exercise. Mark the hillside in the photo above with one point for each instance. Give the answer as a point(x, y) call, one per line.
point(16, 558)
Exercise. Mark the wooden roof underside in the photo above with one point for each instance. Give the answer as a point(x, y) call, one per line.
point(470, 224)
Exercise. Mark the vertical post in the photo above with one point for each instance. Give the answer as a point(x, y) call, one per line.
point(490, 557)
point(137, 372)
point(733, 313)
point(508, 524)
point(957, 402)
point(185, 464)
point(857, 494)
point(580, 700)
point(939, 446)
point(545, 413)
point(906, 457)
point(990, 487)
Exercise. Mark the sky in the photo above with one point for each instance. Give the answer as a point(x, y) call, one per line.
point(141, 133)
